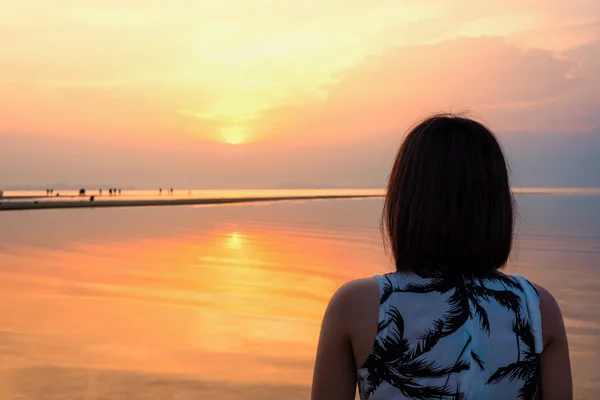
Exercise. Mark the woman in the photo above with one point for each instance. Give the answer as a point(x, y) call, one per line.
point(447, 324)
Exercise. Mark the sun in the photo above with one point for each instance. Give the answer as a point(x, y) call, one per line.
point(234, 135)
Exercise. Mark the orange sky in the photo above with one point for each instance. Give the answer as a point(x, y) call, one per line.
point(269, 72)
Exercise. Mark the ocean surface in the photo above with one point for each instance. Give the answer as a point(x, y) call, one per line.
point(225, 302)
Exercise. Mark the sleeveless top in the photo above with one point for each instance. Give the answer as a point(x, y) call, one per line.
point(454, 338)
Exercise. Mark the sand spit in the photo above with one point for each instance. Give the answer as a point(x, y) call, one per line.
point(55, 204)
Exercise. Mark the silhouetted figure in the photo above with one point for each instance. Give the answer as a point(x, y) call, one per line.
point(119, 192)
point(160, 191)
point(57, 194)
point(110, 192)
point(82, 192)
point(91, 198)
point(100, 192)
point(171, 190)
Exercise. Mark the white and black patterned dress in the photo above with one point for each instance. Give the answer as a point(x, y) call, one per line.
point(454, 337)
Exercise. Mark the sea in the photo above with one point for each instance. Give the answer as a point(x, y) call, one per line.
point(225, 301)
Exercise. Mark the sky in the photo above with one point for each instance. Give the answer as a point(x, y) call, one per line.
point(263, 93)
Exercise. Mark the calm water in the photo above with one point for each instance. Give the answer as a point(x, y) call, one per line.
point(225, 302)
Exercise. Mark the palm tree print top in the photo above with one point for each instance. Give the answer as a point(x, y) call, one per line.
point(452, 337)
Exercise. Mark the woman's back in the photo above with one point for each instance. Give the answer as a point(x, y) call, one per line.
point(452, 337)
point(448, 215)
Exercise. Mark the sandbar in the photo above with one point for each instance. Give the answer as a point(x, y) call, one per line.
point(56, 204)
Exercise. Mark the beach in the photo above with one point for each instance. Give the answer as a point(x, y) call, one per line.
point(38, 203)
point(54, 204)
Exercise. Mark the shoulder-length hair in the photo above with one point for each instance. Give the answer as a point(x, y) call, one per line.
point(448, 206)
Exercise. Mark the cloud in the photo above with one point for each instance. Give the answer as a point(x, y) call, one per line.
point(559, 37)
point(512, 88)
point(242, 57)
point(574, 110)
point(106, 110)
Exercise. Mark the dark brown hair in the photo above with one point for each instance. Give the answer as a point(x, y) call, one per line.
point(448, 206)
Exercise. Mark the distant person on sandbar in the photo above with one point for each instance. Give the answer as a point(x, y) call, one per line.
point(160, 191)
point(119, 192)
point(82, 192)
point(447, 323)
point(100, 192)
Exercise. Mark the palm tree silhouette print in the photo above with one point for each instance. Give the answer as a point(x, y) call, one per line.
point(527, 369)
point(467, 293)
point(392, 361)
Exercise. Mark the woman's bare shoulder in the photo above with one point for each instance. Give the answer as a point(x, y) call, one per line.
point(547, 301)
point(356, 300)
point(354, 294)
point(355, 306)
point(556, 379)
point(552, 319)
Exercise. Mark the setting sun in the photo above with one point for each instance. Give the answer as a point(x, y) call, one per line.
point(234, 135)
